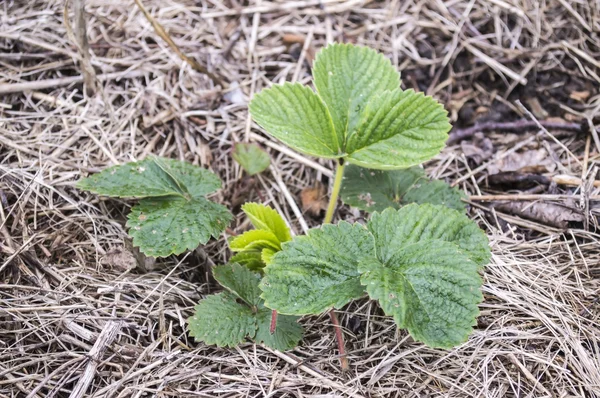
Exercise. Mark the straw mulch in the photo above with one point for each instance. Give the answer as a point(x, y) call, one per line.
point(81, 314)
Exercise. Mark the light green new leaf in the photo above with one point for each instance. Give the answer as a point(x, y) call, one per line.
point(265, 218)
point(317, 271)
point(288, 332)
point(240, 281)
point(266, 255)
point(295, 115)
point(132, 180)
point(436, 193)
point(394, 229)
point(252, 259)
point(255, 239)
point(429, 287)
point(347, 77)
point(376, 190)
point(219, 319)
point(398, 129)
point(251, 157)
point(172, 225)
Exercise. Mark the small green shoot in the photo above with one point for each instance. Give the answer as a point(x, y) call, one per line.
point(173, 214)
point(251, 157)
point(227, 318)
point(376, 190)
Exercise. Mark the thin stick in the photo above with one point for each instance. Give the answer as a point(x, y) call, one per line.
point(165, 36)
point(339, 336)
point(79, 38)
point(273, 325)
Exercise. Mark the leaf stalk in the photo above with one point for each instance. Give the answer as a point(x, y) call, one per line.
point(337, 184)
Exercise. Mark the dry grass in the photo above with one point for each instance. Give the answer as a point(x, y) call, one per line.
point(63, 282)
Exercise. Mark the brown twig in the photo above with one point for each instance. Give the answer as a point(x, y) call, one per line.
point(165, 36)
point(518, 126)
point(79, 38)
point(273, 321)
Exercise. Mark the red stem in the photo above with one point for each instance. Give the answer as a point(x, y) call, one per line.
point(273, 321)
point(339, 336)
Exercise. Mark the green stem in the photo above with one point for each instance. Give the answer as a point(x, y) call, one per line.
point(337, 184)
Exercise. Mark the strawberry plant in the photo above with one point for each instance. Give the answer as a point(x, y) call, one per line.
point(173, 214)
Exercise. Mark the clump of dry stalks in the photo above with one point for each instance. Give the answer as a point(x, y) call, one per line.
point(81, 314)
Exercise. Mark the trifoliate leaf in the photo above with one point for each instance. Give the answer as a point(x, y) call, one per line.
point(265, 218)
point(398, 129)
point(132, 180)
point(240, 281)
point(172, 225)
point(394, 229)
point(288, 332)
point(219, 319)
point(376, 190)
point(317, 271)
point(256, 239)
point(429, 287)
point(436, 193)
point(197, 181)
point(251, 157)
point(347, 77)
point(295, 115)
point(250, 259)
point(225, 319)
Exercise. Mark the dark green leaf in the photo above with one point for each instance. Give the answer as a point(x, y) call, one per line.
point(251, 157)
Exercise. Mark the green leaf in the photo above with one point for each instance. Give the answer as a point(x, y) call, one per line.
point(376, 190)
point(240, 281)
point(295, 115)
point(251, 157)
point(265, 218)
point(317, 271)
point(394, 229)
point(219, 319)
point(266, 255)
point(198, 181)
point(224, 320)
point(398, 129)
point(172, 225)
point(347, 77)
point(288, 332)
point(256, 239)
point(429, 287)
point(132, 180)
point(436, 193)
point(250, 259)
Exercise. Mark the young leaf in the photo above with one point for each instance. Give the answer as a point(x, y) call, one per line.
point(346, 77)
point(266, 255)
point(398, 129)
point(225, 319)
point(172, 225)
point(317, 271)
point(251, 157)
point(394, 229)
point(265, 218)
point(132, 180)
point(219, 319)
point(295, 115)
point(239, 281)
point(252, 259)
point(376, 190)
point(429, 287)
point(255, 239)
